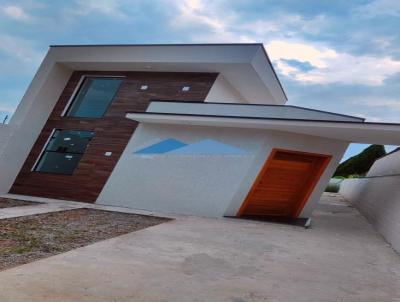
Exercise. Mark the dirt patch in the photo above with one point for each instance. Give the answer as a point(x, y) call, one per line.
point(28, 238)
point(9, 203)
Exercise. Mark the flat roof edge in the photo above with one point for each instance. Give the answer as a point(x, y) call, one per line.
point(260, 105)
point(255, 44)
point(157, 44)
point(263, 118)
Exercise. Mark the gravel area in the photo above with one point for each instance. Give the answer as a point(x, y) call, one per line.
point(28, 238)
point(9, 203)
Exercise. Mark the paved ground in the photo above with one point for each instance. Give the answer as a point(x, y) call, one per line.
point(195, 259)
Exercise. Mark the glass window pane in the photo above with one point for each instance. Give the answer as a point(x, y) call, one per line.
point(72, 141)
point(61, 163)
point(64, 151)
point(94, 97)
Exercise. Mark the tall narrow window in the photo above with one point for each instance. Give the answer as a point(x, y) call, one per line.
point(94, 97)
point(64, 151)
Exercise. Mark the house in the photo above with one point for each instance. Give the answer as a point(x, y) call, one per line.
point(198, 129)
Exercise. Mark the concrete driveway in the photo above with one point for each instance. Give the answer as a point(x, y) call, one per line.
point(341, 258)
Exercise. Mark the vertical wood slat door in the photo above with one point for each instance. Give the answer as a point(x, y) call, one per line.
point(284, 184)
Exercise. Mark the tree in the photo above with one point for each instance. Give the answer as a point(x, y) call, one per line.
point(361, 163)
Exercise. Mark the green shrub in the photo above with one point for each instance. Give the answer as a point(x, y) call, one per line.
point(333, 187)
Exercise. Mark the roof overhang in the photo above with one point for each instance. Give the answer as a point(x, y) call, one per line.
point(356, 132)
point(245, 66)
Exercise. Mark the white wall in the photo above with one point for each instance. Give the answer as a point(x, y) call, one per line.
point(30, 117)
point(223, 92)
point(390, 164)
point(5, 134)
point(378, 198)
point(211, 186)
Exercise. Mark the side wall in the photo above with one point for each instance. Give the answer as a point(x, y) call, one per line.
point(207, 185)
point(5, 134)
point(30, 117)
point(377, 197)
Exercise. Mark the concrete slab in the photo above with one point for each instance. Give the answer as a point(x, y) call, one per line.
point(47, 205)
point(340, 258)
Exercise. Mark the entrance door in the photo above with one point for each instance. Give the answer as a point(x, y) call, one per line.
point(284, 184)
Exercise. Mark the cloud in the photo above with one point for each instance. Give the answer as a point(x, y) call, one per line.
point(299, 65)
point(203, 22)
point(19, 49)
point(6, 108)
point(302, 60)
point(104, 7)
point(5, 111)
point(386, 103)
point(329, 65)
point(380, 8)
point(302, 52)
point(205, 15)
point(17, 13)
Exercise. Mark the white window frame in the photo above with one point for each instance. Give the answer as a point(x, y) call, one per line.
point(78, 86)
point(43, 149)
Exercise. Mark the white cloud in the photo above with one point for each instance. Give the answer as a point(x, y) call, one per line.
point(6, 108)
point(380, 8)
point(17, 13)
point(300, 51)
point(375, 108)
point(330, 66)
point(221, 23)
point(207, 14)
point(112, 8)
point(389, 103)
point(19, 49)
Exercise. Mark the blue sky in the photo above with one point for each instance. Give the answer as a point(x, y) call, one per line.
point(341, 56)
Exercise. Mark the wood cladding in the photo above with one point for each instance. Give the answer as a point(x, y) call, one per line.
point(112, 132)
point(284, 184)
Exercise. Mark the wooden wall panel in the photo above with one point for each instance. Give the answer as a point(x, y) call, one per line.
point(112, 132)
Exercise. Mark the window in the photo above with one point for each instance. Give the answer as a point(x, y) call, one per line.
point(94, 96)
point(64, 151)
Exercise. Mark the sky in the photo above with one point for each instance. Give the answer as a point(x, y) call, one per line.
point(341, 56)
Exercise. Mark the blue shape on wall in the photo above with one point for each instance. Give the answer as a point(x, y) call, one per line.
point(162, 147)
point(207, 146)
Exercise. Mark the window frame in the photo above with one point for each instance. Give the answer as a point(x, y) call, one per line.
point(78, 88)
point(43, 151)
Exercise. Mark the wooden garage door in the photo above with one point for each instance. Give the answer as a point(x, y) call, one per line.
point(284, 184)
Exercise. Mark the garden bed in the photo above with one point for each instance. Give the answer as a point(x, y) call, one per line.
point(28, 238)
point(10, 203)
